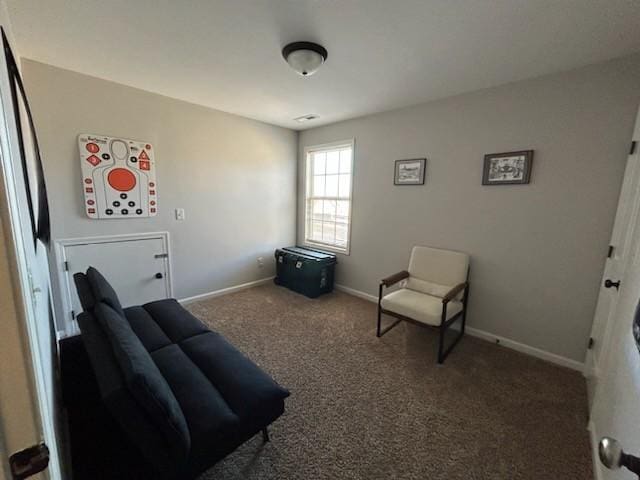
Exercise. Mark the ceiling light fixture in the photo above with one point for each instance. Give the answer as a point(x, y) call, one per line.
point(304, 57)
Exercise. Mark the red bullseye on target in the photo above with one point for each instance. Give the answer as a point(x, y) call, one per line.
point(121, 179)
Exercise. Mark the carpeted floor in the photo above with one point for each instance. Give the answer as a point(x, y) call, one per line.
point(369, 408)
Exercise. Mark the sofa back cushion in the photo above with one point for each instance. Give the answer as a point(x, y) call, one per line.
point(85, 294)
point(144, 380)
point(103, 291)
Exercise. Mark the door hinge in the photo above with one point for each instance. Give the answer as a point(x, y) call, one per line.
point(632, 150)
point(66, 266)
point(591, 342)
point(161, 255)
point(610, 251)
point(29, 461)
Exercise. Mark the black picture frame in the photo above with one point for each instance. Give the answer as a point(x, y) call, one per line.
point(406, 176)
point(513, 167)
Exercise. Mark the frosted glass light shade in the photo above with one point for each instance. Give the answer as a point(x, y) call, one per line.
point(304, 57)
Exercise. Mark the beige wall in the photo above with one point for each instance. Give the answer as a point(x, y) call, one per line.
point(234, 177)
point(538, 249)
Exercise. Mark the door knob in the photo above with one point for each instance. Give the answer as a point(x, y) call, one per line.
point(613, 457)
point(608, 284)
point(159, 275)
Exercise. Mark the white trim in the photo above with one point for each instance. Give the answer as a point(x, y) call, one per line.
point(328, 146)
point(225, 291)
point(325, 246)
point(528, 349)
point(593, 436)
point(505, 342)
point(356, 293)
point(70, 327)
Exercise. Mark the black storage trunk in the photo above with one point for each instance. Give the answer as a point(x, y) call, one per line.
point(305, 270)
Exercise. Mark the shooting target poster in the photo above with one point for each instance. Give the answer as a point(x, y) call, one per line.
point(118, 177)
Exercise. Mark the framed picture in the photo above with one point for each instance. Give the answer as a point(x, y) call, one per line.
point(410, 172)
point(508, 168)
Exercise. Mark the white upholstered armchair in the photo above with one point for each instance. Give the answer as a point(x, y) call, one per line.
point(435, 293)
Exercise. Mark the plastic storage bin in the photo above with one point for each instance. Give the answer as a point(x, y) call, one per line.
point(305, 270)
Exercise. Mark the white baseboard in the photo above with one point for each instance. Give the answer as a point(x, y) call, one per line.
point(528, 349)
point(506, 342)
point(597, 467)
point(225, 291)
point(356, 293)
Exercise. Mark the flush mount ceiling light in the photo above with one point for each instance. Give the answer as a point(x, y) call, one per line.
point(304, 57)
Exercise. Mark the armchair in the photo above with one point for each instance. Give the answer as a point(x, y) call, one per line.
point(435, 294)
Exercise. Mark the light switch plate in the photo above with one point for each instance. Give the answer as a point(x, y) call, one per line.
point(179, 213)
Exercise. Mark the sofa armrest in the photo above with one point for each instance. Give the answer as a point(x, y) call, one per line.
point(395, 278)
point(454, 291)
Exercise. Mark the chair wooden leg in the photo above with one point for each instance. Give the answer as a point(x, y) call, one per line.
point(265, 435)
point(443, 327)
point(464, 307)
point(378, 334)
point(441, 344)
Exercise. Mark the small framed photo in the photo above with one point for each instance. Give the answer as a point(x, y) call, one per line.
point(410, 172)
point(508, 168)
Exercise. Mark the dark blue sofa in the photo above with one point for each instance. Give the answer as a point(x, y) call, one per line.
point(181, 393)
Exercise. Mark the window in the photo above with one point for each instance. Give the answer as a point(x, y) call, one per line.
point(328, 195)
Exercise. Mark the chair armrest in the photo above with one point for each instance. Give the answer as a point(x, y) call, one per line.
point(454, 291)
point(395, 278)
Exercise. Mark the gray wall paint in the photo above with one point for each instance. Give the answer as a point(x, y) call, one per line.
point(234, 177)
point(538, 249)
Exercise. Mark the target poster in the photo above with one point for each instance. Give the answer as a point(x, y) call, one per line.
point(118, 177)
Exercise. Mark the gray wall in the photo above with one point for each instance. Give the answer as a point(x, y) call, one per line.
point(234, 177)
point(537, 250)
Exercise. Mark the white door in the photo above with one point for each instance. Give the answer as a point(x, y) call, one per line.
point(23, 190)
point(616, 264)
point(138, 269)
point(616, 407)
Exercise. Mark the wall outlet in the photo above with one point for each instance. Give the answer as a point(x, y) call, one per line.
point(179, 213)
point(260, 262)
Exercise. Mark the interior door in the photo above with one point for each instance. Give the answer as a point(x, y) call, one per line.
point(616, 407)
point(29, 228)
point(615, 267)
point(136, 268)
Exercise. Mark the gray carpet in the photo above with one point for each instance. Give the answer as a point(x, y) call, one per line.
point(369, 408)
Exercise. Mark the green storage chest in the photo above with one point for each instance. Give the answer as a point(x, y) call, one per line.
point(305, 270)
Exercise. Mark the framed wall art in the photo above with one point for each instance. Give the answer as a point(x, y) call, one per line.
point(410, 172)
point(510, 168)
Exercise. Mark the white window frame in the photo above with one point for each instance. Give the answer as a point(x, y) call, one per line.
point(308, 150)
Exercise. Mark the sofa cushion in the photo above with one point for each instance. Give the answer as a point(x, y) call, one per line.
point(245, 387)
point(85, 294)
point(144, 380)
point(176, 322)
point(250, 393)
point(102, 290)
point(146, 328)
point(203, 406)
point(419, 306)
point(145, 435)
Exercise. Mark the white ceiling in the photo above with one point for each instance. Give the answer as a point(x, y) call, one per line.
point(383, 54)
